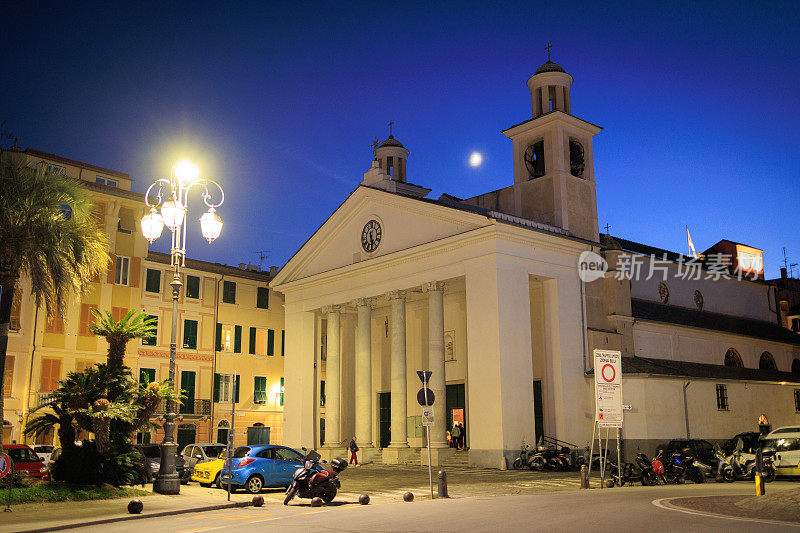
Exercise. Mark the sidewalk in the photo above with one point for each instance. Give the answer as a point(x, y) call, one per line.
point(36, 516)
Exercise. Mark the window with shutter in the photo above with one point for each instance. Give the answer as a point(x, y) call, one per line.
point(87, 319)
point(147, 375)
point(192, 287)
point(228, 292)
point(262, 298)
point(153, 282)
point(270, 342)
point(16, 308)
point(236, 389)
point(187, 385)
point(8, 378)
point(190, 334)
point(260, 390)
point(51, 373)
point(152, 340)
point(237, 339)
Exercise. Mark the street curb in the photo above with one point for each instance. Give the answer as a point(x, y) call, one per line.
point(669, 505)
point(139, 517)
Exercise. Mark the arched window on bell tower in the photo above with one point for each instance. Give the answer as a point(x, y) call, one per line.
point(576, 162)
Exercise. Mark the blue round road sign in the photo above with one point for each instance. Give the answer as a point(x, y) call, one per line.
point(423, 401)
point(5, 465)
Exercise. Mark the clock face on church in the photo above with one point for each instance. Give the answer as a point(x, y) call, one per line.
point(371, 236)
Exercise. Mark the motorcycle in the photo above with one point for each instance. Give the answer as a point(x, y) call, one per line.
point(697, 470)
point(310, 481)
point(641, 470)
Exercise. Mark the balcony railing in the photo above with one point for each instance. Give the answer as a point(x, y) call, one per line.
point(189, 407)
point(45, 398)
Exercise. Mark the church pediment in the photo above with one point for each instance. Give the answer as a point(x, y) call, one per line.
point(373, 223)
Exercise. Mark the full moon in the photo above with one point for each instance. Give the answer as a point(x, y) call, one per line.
point(475, 159)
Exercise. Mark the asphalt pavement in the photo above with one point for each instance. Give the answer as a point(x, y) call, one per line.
point(627, 508)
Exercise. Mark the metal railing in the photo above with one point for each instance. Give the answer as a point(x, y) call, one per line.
point(45, 398)
point(189, 407)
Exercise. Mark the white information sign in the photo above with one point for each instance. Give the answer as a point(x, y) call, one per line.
point(608, 388)
point(427, 415)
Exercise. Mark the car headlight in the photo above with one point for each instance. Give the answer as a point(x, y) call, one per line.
point(43, 469)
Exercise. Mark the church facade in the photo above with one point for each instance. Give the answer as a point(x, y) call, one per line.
point(485, 293)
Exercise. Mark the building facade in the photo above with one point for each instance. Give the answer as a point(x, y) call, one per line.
point(485, 293)
point(230, 327)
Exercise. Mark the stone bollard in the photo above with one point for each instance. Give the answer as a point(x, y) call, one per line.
point(408, 497)
point(316, 502)
point(364, 499)
point(584, 477)
point(258, 500)
point(135, 506)
point(441, 488)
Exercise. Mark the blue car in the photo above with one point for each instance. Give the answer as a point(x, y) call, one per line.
point(263, 465)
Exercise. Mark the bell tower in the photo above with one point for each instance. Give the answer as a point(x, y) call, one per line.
point(388, 170)
point(553, 163)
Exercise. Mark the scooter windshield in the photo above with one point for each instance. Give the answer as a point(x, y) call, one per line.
point(313, 456)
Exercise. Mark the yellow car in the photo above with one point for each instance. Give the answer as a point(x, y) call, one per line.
point(207, 473)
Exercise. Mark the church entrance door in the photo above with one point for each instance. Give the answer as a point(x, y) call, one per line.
point(385, 413)
point(456, 408)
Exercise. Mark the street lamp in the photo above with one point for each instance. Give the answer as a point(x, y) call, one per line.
point(170, 197)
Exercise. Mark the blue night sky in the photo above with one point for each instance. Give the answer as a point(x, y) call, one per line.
point(280, 102)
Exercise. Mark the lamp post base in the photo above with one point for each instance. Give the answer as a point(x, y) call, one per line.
point(167, 484)
point(168, 481)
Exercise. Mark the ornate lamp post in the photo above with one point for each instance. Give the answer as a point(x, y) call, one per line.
point(171, 196)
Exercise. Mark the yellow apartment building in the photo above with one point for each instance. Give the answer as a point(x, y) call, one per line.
point(230, 326)
point(230, 332)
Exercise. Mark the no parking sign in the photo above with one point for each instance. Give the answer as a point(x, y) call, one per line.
point(608, 388)
point(5, 465)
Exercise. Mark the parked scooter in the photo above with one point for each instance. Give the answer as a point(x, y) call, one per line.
point(309, 481)
point(669, 469)
point(743, 466)
point(641, 471)
point(525, 455)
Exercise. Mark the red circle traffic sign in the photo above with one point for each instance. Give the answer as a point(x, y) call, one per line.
point(613, 373)
point(5, 465)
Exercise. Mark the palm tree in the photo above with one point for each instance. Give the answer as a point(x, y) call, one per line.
point(119, 332)
point(48, 234)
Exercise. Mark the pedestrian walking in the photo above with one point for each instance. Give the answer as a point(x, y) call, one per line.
point(456, 435)
point(353, 451)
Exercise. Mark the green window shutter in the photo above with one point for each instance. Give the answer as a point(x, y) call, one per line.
point(322, 393)
point(270, 342)
point(237, 339)
point(253, 340)
point(147, 375)
point(260, 390)
point(281, 391)
point(153, 281)
point(283, 342)
point(236, 392)
point(262, 298)
point(187, 385)
point(216, 387)
point(190, 334)
point(219, 337)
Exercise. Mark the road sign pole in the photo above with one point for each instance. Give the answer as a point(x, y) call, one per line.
point(10, 477)
point(428, 434)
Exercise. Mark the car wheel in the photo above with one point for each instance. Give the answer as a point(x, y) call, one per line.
point(254, 484)
point(218, 481)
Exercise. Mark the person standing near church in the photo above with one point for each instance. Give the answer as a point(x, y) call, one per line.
point(353, 451)
point(456, 435)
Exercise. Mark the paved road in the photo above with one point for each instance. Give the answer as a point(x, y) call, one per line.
point(629, 508)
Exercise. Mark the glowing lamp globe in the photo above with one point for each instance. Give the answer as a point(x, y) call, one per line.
point(186, 171)
point(173, 213)
point(152, 225)
point(211, 225)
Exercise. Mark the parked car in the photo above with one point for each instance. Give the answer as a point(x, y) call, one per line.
point(786, 442)
point(26, 460)
point(194, 454)
point(750, 442)
point(208, 473)
point(151, 454)
point(701, 449)
point(44, 452)
point(263, 465)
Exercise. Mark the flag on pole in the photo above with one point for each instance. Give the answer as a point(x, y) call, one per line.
point(692, 251)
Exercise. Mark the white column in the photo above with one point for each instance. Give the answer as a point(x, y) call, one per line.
point(437, 383)
point(363, 374)
point(332, 389)
point(398, 369)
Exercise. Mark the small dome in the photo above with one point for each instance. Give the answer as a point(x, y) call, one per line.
point(391, 141)
point(549, 67)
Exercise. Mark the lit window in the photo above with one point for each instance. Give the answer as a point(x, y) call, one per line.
point(228, 337)
point(123, 265)
point(106, 181)
point(722, 397)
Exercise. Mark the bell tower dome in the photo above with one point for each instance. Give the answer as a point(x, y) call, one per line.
point(553, 163)
point(388, 170)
